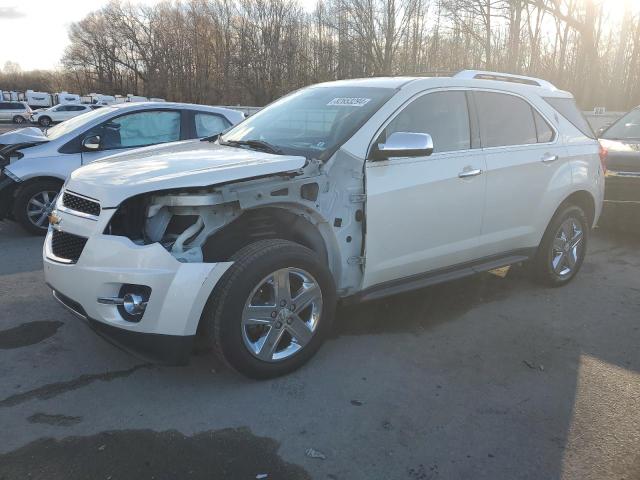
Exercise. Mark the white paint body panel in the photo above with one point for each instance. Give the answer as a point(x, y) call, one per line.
point(191, 163)
point(420, 215)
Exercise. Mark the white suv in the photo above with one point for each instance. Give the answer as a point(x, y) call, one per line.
point(59, 113)
point(354, 189)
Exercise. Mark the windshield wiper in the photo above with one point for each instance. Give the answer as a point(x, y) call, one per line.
point(210, 138)
point(257, 144)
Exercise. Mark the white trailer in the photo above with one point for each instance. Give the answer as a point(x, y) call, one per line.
point(98, 99)
point(136, 98)
point(12, 96)
point(38, 99)
point(63, 98)
point(154, 99)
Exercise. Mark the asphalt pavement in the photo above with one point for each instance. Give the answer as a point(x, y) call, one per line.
point(483, 378)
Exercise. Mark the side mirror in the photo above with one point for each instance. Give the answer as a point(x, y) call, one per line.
point(405, 144)
point(92, 142)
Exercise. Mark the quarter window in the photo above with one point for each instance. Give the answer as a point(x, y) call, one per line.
point(443, 115)
point(544, 131)
point(505, 120)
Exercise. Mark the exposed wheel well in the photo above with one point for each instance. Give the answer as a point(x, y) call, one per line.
point(261, 224)
point(584, 200)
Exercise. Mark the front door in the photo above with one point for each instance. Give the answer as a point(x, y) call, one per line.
point(425, 213)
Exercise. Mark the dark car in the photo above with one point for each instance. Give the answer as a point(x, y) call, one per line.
point(621, 145)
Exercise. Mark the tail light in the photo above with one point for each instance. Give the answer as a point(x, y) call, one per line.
point(604, 153)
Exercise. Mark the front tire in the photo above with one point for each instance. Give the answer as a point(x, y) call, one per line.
point(44, 121)
point(271, 310)
point(34, 204)
point(563, 247)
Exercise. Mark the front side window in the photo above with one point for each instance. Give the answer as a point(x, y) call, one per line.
point(139, 129)
point(313, 122)
point(627, 128)
point(443, 115)
point(208, 124)
point(505, 120)
point(77, 122)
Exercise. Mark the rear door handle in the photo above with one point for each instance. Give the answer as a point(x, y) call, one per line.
point(548, 158)
point(466, 173)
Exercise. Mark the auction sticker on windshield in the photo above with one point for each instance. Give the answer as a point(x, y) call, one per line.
point(349, 101)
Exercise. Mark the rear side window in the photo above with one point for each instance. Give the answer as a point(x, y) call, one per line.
point(568, 109)
point(4, 106)
point(505, 120)
point(443, 115)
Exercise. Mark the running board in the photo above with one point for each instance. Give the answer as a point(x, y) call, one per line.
point(440, 276)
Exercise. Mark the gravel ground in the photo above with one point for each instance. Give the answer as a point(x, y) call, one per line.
point(483, 378)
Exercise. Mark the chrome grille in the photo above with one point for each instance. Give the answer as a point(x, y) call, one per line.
point(80, 204)
point(67, 246)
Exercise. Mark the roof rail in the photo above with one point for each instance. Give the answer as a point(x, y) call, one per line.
point(505, 77)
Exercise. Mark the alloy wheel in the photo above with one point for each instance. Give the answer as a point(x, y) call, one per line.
point(40, 206)
point(281, 315)
point(567, 248)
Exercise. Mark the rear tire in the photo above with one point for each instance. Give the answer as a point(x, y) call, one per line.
point(44, 121)
point(563, 247)
point(251, 320)
point(19, 119)
point(34, 203)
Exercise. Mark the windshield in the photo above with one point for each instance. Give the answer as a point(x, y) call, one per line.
point(76, 122)
point(313, 122)
point(628, 127)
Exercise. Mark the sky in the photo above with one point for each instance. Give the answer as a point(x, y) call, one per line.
point(33, 33)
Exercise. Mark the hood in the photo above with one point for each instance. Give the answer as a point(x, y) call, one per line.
point(29, 135)
point(191, 163)
point(623, 155)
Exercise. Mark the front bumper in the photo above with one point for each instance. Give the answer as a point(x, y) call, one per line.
point(179, 291)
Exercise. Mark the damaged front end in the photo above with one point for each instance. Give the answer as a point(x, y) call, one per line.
point(320, 208)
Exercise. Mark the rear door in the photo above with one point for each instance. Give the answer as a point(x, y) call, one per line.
point(134, 130)
point(525, 162)
point(425, 213)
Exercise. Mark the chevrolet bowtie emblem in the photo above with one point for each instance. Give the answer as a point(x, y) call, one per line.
point(54, 219)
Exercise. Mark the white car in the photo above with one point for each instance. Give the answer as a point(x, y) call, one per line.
point(59, 113)
point(349, 190)
point(16, 112)
point(35, 164)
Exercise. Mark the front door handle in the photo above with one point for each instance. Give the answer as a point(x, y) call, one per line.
point(466, 173)
point(548, 158)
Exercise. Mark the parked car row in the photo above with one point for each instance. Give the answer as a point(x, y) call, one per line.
point(251, 235)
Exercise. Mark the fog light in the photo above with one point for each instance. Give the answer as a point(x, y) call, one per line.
point(133, 304)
